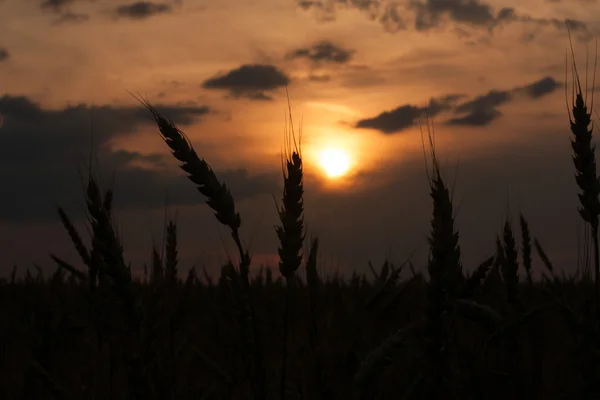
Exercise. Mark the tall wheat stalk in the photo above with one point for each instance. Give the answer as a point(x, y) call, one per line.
point(444, 267)
point(584, 159)
point(291, 230)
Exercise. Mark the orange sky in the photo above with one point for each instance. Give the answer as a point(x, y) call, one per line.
point(60, 54)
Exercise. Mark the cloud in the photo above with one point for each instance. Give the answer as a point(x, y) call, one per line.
point(482, 110)
point(40, 170)
point(249, 80)
point(71, 17)
point(3, 54)
point(509, 14)
point(142, 10)
point(478, 111)
point(429, 13)
point(55, 5)
point(540, 88)
point(488, 101)
point(478, 117)
point(423, 15)
point(405, 116)
point(323, 51)
point(61, 7)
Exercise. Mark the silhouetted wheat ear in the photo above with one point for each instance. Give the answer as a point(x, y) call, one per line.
point(199, 172)
point(475, 281)
point(444, 261)
point(584, 159)
point(106, 241)
point(171, 256)
point(75, 237)
point(291, 230)
point(526, 247)
point(510, 267)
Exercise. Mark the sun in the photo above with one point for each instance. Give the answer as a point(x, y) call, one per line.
point(335, 162)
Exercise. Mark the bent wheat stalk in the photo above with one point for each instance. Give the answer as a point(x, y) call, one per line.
point(219, 198)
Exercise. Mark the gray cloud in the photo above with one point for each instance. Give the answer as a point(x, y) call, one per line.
point(510, 15)
point(482, 110)
point(3, 54)
point(40, 170)
point(60, 7)
point(422, 15)
point(477, 117)
point(142, 10)
point(55, 5)
point(71, 17)
point(488, 101)
point(429, 13)
point(478, 111)
point(405, 116)
point(249, 80)
point(323, 51)
point(540, 88)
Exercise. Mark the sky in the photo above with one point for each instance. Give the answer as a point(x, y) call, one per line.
point(360, 74)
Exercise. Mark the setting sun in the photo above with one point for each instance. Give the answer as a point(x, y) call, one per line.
point(335, 162)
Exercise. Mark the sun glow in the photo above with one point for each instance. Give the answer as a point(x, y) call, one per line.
point(335, 162)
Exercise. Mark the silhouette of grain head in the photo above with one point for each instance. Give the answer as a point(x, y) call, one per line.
point(584, 153)
point(291, 230)
point(444, 267)
point(198, 170)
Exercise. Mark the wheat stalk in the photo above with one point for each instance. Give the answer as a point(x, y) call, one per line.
point(291, 231)
point(510, 266)
point(526, 247)
point(584, 159)
point(219, 198)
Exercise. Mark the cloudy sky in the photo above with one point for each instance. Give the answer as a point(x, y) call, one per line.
point(360, 74)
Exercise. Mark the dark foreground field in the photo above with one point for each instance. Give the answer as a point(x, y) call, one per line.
point(353, 339)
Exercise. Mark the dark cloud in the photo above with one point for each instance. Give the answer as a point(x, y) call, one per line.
point(479, 111)
point(306, 4)
point(323, 51)
point(142, 10)
point(405, 116)
point(482, 110)
point(40, 170)
point(478, 117)
point(540, 88)
point(250, 81)
point(3, 54)
point(488, 101)
point(427, 14)
point(391, 20)
point(65, 15)
point(508, 14)
point(118, 121)
point(55, 5)
point(71, 17)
